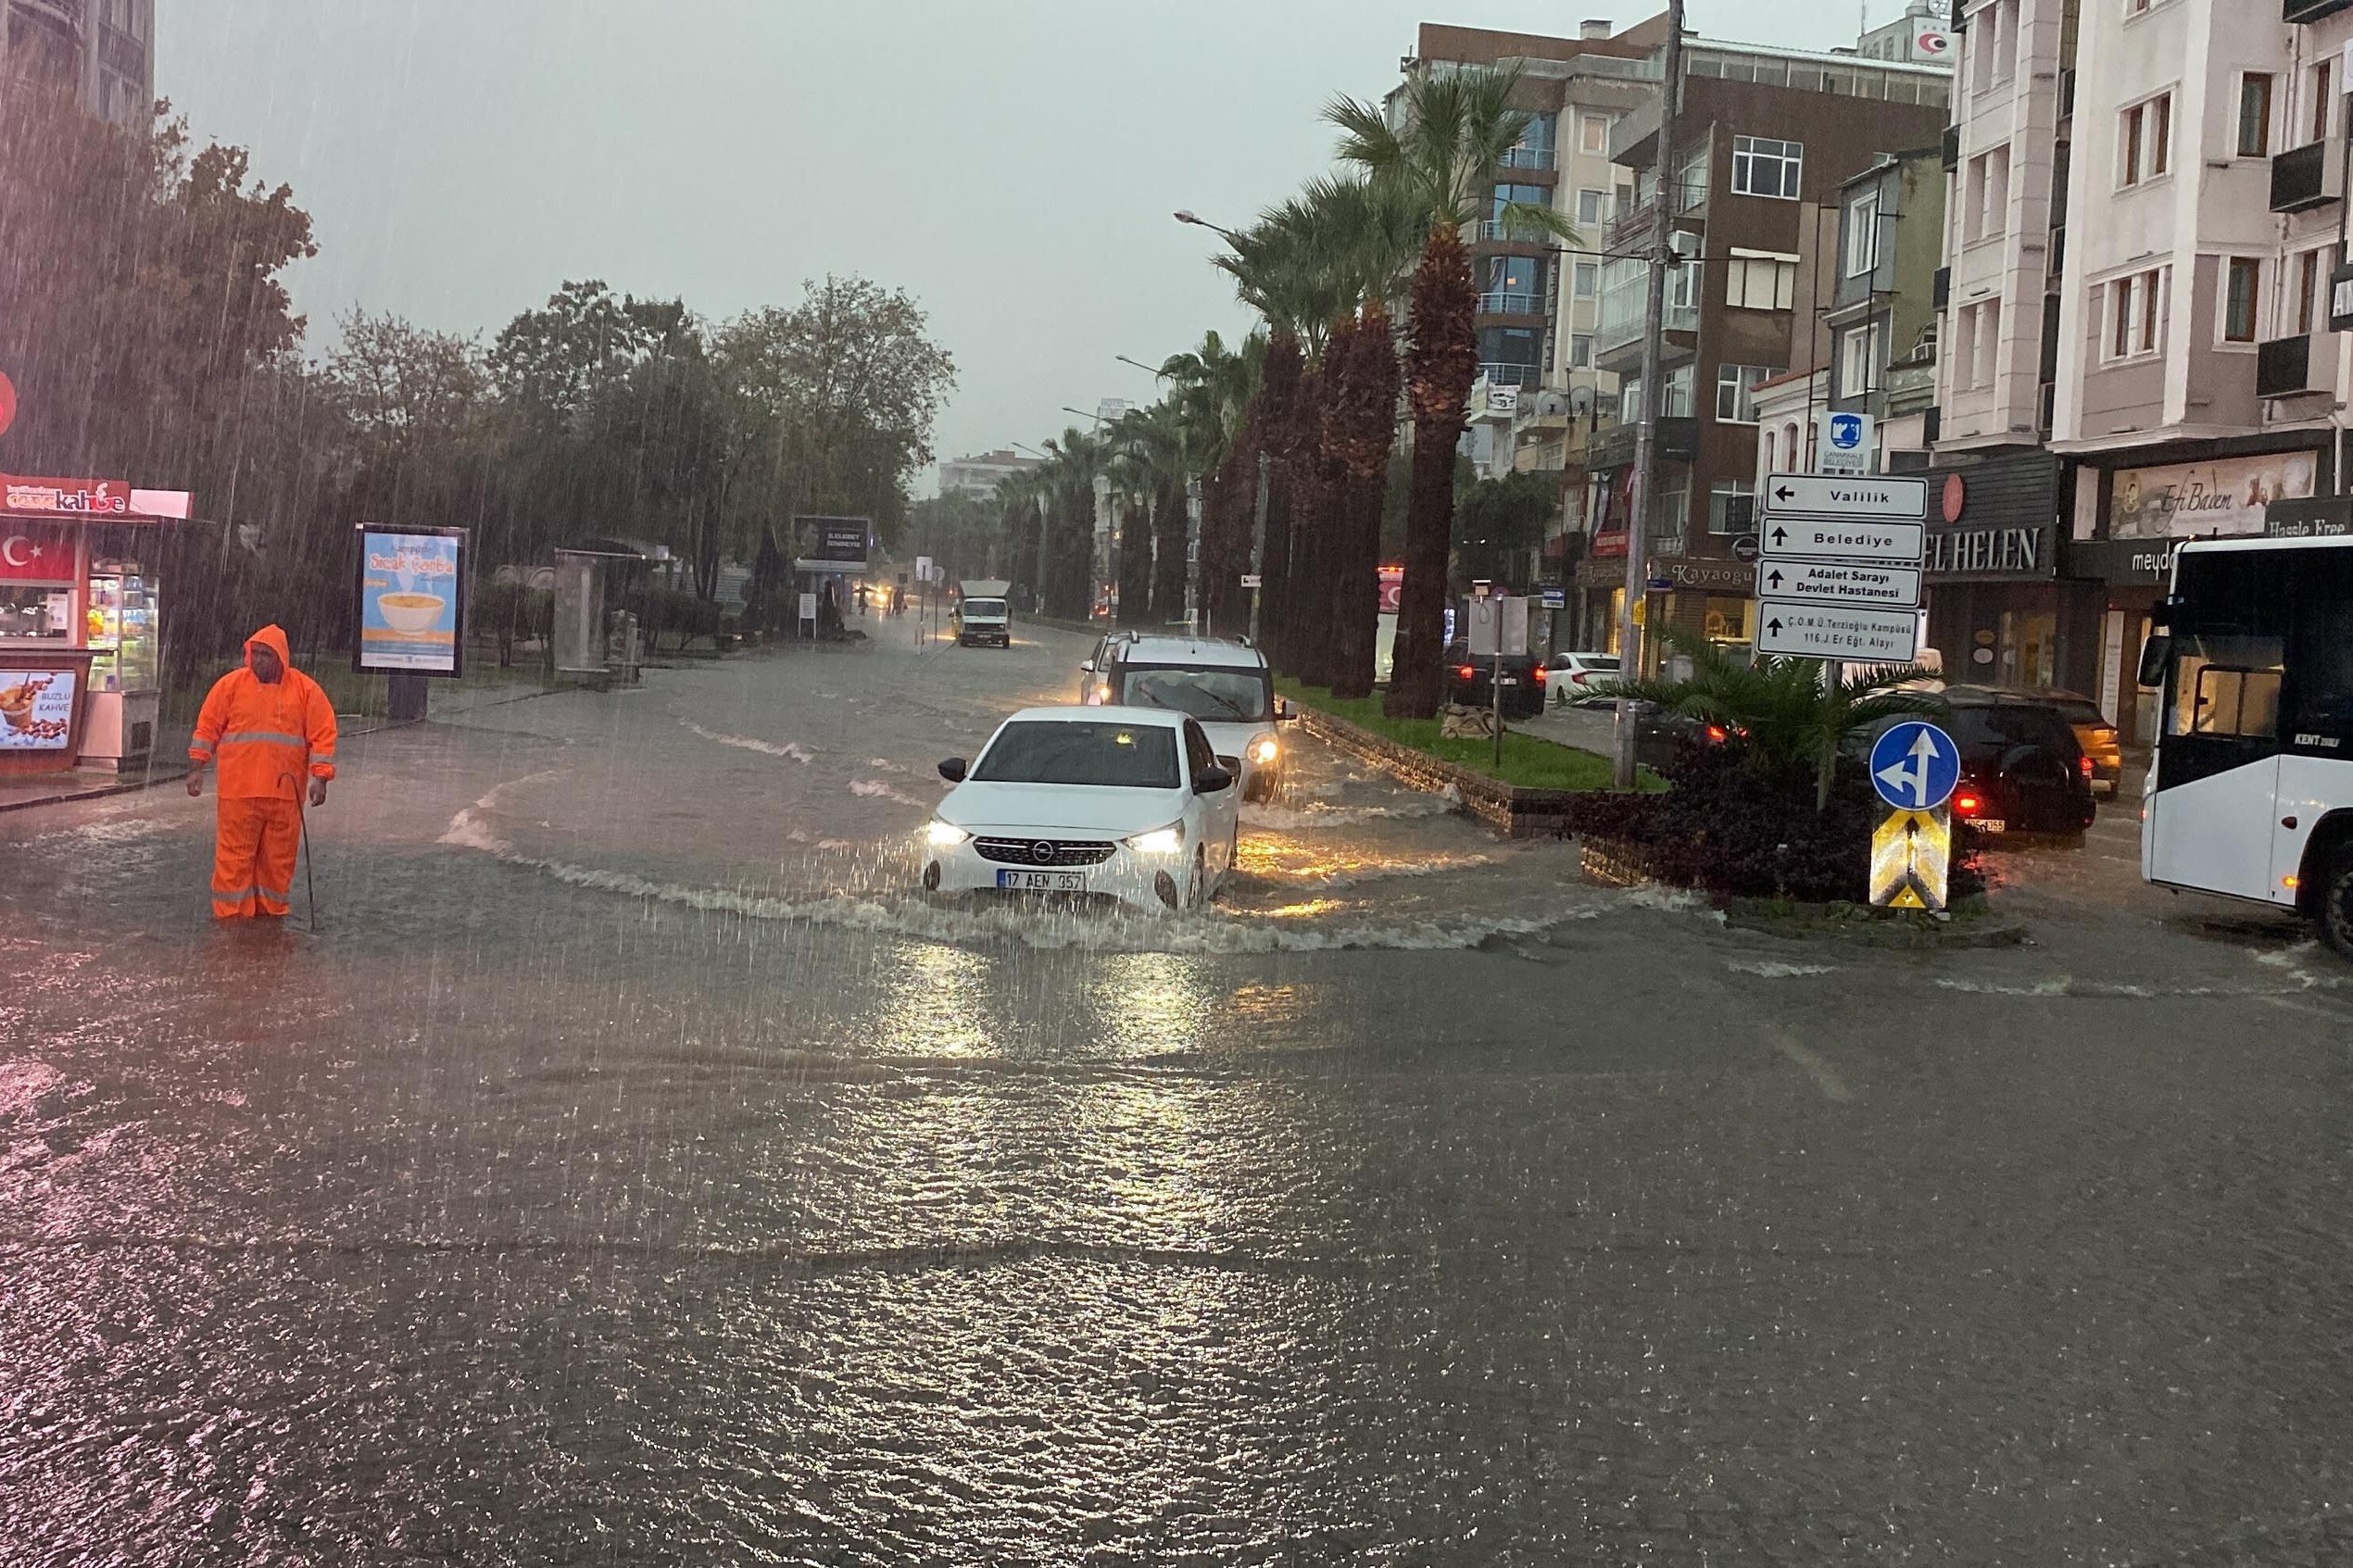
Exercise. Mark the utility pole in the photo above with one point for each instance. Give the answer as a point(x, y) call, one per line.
point(1258, 551)
point(1637, 572)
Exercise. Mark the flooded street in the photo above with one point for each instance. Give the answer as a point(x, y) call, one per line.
point(634, 1167)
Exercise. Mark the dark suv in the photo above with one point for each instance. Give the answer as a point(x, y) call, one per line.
point(1524, 681)
point(2022, 770)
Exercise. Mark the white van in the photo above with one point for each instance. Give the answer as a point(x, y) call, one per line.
point(1226, 685)
point(981, 615)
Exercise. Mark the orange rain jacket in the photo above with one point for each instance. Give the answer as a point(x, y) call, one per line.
point(267, 736)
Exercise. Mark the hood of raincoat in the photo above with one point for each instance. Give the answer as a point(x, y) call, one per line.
point(274, 640)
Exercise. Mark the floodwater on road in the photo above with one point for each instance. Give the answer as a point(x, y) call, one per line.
point(634, 1168)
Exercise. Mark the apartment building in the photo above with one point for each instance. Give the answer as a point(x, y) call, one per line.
point(101, 50)
point(1765, 143)
point(1541, 397)
point(979, 476)
point(2198, 373)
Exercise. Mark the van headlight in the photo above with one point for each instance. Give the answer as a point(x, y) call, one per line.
point(1264, 750)
point(1169, 840)
point(945, 836)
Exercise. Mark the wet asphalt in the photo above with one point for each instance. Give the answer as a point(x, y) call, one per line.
point(632, 1168)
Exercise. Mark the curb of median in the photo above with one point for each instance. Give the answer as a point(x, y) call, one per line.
point(1509, 809)
point(1972, 925)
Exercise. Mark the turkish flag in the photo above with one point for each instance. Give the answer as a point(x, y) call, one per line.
point(32, 552)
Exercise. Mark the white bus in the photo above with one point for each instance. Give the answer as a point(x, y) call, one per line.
point(2251, 793)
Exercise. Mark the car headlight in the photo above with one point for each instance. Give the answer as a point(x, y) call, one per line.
point(945, 836)
point(1169, 840)
point(1262, 750)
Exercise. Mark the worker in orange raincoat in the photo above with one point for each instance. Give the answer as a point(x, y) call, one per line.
point(270, 727)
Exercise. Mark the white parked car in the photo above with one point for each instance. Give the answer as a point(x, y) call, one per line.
point(1226, 685)
point(1574, 674)
point(1126, 803)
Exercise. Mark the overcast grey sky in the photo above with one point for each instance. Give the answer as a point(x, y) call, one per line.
point(1012, 163)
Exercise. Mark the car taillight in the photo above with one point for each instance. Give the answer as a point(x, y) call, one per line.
point(1540, 668)
point(2086, 765)
point(1719, 735)
point(1466, 672)
point(1967, 803)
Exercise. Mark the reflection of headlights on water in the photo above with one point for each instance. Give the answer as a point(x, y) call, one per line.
point(1263, 750)
point(1169, 840)
point(945, 836)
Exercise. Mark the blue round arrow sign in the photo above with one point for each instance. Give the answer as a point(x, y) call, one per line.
point(1915, 766)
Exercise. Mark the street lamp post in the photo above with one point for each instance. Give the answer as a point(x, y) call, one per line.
point(1654, 403)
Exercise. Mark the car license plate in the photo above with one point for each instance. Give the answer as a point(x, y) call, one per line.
point(1990, 825)
point(1509, 681)
point(1041, 882)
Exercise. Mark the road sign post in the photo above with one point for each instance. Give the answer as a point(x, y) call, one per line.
point(1839, 568)
point(1838, 632)
point(1911, 860)
point(1915, 767)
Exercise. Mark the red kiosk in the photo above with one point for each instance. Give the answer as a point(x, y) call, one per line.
point(80, 675)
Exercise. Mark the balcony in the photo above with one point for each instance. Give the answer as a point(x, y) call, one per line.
point(1503, 230)
point(1511, 302)
point(1621, 319)
point(1497, 373)
point(2299, 179)
point(1677, 443)
point(2313, 11)
point(1529, 157)
point(2283, 368)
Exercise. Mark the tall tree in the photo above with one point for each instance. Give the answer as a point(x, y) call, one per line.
point(1310, 265)
point(1453, 133)
point(1134, 481)
point(1068, 569)
point(1360, 421)
point(1020, 503)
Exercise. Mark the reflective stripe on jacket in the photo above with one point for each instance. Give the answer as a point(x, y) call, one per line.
point(266, 736)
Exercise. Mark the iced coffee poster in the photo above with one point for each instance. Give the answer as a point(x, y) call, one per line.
point(36, 709)
point(410, 590)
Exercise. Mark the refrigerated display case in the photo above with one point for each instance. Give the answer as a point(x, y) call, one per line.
point(124, 671)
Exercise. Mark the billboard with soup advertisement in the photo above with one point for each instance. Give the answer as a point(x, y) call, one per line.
point(2189, 500)
point(411, 588)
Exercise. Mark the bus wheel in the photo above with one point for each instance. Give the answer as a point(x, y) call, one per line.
point(2336, 904)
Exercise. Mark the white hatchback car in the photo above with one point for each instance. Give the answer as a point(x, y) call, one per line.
point(1127, 803)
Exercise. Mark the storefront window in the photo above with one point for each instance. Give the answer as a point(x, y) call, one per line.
point(1607, 639)
point(34, 615)
point(1731, 620)
point(2027, 653)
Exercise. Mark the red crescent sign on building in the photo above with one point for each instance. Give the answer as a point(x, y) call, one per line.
point(7, 403)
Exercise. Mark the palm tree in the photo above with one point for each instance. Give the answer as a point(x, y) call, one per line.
point(1316, 266)
point(1217, 388)
point(1135, 483)
point(1068, 570)
point(1018, 499)
point(1792, 720)
point(1456, 130)
point(1359, 426)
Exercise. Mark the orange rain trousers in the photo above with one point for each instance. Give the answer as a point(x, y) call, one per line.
point(253, 858)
